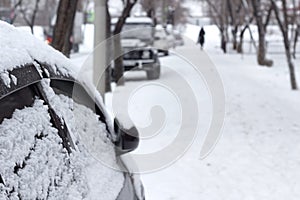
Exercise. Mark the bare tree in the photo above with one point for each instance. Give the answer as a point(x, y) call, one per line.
point(295, 26)
point(283, 22)
point(261, 26)
point(179, 14)
point(219, 15)
point(171, 11)
point(297, 35)
point(13, 11)
point(119, 69)
point(64, 26)
point(150, 7)
point(28, 16)
point(246, 27)
point(236, 18)
point(28, 11)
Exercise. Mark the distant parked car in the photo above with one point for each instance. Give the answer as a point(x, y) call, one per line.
point(162, 42)
point(178, 38)
point(54, 126)
point(171, 37)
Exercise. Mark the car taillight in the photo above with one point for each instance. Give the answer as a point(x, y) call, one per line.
point(48, 40)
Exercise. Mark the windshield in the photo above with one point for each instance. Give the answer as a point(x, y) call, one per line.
point(137, 31)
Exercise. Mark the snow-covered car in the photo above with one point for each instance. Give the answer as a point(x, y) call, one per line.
point(161, 41)
point(137, 40)
point(178, 38)
point(170, 35)
point(56, 139)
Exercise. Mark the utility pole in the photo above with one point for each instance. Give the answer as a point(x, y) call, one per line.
point(99, 53)
point(164, 13)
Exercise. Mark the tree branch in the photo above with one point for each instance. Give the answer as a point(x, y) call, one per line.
point(124, 15)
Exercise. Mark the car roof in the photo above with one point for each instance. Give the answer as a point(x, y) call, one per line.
point(21, 53)
point(135, 20)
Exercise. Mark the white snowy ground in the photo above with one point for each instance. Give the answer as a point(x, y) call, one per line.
point(257, 156)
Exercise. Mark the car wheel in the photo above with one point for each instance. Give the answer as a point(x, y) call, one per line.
point(154, 73)
point(76, 48)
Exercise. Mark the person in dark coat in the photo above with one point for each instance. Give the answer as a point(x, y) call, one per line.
point(201, 38)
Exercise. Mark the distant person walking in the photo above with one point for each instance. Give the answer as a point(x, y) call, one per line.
point(201, 38)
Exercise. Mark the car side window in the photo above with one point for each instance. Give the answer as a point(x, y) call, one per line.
point(16, 100)
point(78, 94)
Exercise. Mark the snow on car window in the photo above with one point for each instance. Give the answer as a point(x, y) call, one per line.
point(139, 31)
point(90, 137)
point(33, 163)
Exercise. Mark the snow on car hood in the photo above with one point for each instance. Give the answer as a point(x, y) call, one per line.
point(18, 47)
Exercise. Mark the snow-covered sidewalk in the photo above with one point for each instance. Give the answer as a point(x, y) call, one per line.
point(258, 154)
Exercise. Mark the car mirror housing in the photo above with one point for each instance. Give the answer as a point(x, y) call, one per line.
point(127, 138)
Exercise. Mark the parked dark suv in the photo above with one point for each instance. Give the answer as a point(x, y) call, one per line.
point(137, 39)
point(56, 141)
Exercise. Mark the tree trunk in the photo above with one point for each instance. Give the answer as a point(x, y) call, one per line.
point(33, 17)
point(223, 41)
point(234, 38)
point(241, 42)
point(297, 33)
point(64, 26)
point(119, 68)
point(284, 27)
point(261, 54)
point(290, 65)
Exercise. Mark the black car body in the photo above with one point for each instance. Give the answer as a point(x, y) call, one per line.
point(51, 128)
point(142, 59)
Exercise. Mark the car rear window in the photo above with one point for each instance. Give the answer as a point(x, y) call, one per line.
point(33, 161)
point(16, 100)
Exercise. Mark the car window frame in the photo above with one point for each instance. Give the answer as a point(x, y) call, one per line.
point(97, 107)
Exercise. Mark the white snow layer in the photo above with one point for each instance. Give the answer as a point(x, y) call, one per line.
point(92, 139)
point(33, 163)
point(19, 47)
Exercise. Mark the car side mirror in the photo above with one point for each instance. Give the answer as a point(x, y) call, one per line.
point(127, 138)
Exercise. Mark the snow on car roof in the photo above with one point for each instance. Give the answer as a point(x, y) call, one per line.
point(135, 20)
point(18, 48)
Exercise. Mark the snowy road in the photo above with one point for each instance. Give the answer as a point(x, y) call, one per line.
point(258, 154)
